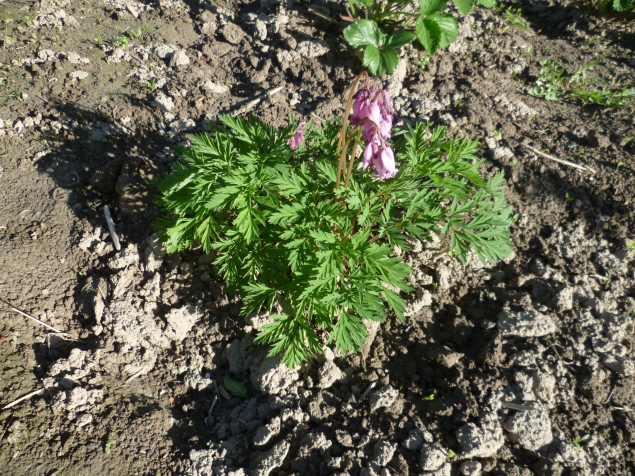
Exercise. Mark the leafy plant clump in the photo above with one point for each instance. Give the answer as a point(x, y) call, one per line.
point(619, 6)
point(298, 224)
point(555, 84)
point(430, 26)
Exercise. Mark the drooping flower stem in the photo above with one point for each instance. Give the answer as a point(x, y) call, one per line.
point(341, 144)
point(352, 159)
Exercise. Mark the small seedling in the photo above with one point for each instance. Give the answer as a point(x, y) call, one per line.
point(99, 40)
point(497, 133)
point(630, 246)
point(515, 20)
point(108, 445)
point(429, 398)
point(577, 442)
point(568, 197)
point(451, 454)
point(515, 218)
point(151, 83)
point(122, 41)
point(424, 62)
point(55, 38)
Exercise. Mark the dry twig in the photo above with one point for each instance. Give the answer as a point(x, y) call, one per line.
point(253, 103)
point(111, 227)
point(561, 161)
point(21, 399)
point(33, 318)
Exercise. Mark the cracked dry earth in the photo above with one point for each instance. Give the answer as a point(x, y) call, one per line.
point(501, 367)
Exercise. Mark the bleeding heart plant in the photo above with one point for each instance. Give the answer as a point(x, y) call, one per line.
point(298, 223)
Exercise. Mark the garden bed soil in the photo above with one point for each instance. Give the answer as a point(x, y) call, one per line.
point(505, 366)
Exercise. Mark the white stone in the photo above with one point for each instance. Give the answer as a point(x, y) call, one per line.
point(163, 102)
point(181, 321)
point(383, 397)
point(215, 88)
point(312, 48)
point(524, 324)
point(179, 58)
point(79, 75)
point(272, 376)
point(531, 429)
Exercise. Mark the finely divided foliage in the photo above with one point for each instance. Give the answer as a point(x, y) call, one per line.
point(288, 238)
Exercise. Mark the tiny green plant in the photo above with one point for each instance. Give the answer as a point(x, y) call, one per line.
point(631, 246)
point(568, 197)
point(614, 6)
point(151, 83)
point(98, 40)
point(451, 454)
point(108, 445)
point(515, 19)
point(424, 62)
point(554, 84)
point(380, 50)
point(577, 442)
point(297, 223)
point(429, 398)
point(235, 387)
point(122, 41)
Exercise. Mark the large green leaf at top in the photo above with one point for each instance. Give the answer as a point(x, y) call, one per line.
point(622, 5)
point(362, 33)
point(428, 7)
point(380, 60)
point(487, 3)
point(449, 28)
point(464, 6)
point(429, 34)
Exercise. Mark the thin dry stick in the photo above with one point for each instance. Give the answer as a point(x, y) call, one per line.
point(561, 161)
point(365, 394)
point(134, 376)
point(33, 318)
point(251, 104)
point(21, 399)
point(111, 227)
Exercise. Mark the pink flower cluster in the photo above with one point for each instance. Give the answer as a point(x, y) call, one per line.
point(372, 109)
point(298, 138)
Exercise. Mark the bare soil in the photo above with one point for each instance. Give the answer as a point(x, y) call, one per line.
point(154, 335)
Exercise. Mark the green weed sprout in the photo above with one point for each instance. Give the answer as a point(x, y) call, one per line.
point(299, 227)
point(577, 442)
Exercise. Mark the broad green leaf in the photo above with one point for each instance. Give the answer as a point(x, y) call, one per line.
point(238, 389)
point(464, 6)
point(487, 3)
point(429, 7)
point(380, 61)
point(362, 33)
point(449, 28)
point(400, 38)
point(622, 5)
point(429, 34)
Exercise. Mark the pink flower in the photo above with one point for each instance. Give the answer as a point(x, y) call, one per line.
point(298, 138)
point(372, 105)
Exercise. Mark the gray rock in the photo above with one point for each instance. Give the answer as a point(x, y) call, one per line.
point(232, 33)
point(316, 441)
point(260, 30)
point(415, 439)
point(433, 457)
point(383, 397)
point(164, 51)
point(215, 88)
point(181, 321)
point(312, 48)
point(179, 58)
point(524, 324)
point(470, 468)
point(531, 429)
point(202, 462)
point(163, 102)
point(262, 436)
point(329, 374)
point(621, 365)
point(79, 75)
point(155, 252)
point(267, 461)
point(383, 452)
point(124, 258)
point(272, 376)
point(480, 441)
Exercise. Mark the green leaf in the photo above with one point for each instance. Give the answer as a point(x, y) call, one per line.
point(238, 389)
point(108, 445)
point(429, 34)
point(622, 5)
point(464, 6)
point(362, 33)
point(431, 6)
point(487, 3)
point(399, 39)
point(449, 28)
point(380, 61)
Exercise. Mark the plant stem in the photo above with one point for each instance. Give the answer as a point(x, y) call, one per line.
point(352, 159)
